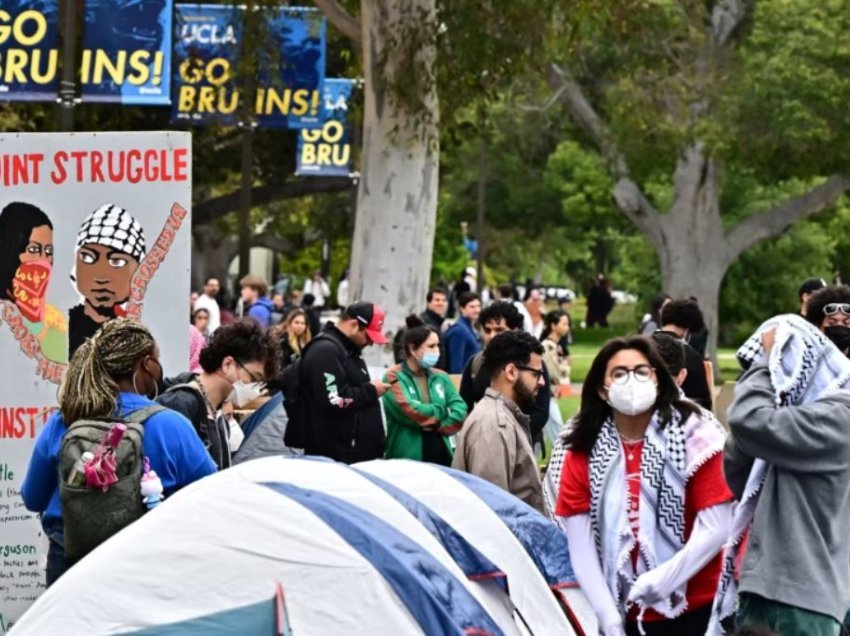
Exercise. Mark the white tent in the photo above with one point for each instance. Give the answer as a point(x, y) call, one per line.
point(310, 544)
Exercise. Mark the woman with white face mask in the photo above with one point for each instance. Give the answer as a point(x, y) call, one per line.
point(423, 408)
point(642, 497)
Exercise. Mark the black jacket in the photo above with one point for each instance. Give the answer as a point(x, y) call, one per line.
point(344, 412)
point(472, 390)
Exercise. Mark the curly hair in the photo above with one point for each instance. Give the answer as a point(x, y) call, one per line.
point(511, 347)
point(822, 298)
point(244, 341)
point(684, 313)
point(501, 310)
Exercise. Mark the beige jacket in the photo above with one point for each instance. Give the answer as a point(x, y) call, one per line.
point(495, 444)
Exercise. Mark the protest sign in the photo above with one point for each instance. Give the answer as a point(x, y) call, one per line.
point(326, 151)
point(92, 226)
point(126, 52)
point(207, 55)
point(29, 59)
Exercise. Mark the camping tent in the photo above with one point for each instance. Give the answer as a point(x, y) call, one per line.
point(307, 543)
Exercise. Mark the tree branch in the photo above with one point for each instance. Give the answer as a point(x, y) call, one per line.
point(627, 194)
point(727, 17)
point(341, 19)
point(274, 243)
point(216, 207)
point(779, 219)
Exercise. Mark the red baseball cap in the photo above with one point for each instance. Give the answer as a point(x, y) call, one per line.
point(371, 318)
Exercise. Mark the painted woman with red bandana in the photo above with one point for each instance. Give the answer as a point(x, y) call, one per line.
point(26, 264)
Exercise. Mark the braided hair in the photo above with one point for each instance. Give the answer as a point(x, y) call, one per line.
point(90, 387)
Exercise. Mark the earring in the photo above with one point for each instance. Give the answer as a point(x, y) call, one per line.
point(135, 388)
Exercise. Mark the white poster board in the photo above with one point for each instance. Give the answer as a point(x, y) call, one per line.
point(92, 226)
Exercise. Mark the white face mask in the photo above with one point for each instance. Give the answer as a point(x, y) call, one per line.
point(236, 435)
point(632, 397)
point(244, 393)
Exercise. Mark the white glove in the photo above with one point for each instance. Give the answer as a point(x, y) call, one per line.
point(711, 529)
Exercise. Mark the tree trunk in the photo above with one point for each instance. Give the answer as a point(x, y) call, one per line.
point(212, 252)
point(397, 199)
point(692, 253)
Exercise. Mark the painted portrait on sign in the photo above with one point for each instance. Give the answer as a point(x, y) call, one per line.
point(26, 266)
point(110, 245)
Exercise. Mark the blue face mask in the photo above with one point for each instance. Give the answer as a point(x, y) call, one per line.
point(428, 360)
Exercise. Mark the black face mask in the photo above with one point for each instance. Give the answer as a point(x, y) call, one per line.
point(840, 337)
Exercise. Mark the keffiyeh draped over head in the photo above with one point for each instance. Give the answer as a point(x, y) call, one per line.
point(113, 227)
point(804, 366)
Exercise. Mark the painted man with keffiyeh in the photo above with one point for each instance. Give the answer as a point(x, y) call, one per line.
point(110, 245)
point(788, 463)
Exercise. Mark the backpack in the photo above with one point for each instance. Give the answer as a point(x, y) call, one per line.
point(91, 515)
point(214, 433)
point(296, 411)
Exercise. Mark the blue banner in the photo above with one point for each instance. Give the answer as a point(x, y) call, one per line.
point(206, 54)
point(126, 56)
point(326, 151)
point(29, 57)
point(289, 94)
point(206, 65)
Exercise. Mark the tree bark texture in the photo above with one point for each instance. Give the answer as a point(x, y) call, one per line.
point(397, 198)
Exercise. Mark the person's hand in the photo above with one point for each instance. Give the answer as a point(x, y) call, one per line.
point(381, 387)
point(767, 340)
point(646, 590)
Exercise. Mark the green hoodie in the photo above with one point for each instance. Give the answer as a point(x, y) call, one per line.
point(407, 415)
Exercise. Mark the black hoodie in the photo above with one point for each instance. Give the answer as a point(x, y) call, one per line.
point(344, 412)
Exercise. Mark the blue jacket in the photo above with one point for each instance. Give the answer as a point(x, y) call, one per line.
point(461, 345)
point(261, 311)
point(175, 452)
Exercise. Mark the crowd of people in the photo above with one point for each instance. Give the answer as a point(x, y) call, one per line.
point(668, 516)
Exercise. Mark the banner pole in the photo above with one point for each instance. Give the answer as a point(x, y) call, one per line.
point(68, 84)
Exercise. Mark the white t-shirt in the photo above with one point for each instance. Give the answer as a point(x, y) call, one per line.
point(205, 302)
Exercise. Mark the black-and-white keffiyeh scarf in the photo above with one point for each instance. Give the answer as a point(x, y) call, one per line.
point(804, 366)
point(670, 457)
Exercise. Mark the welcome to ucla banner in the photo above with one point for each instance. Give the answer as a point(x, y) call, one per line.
point(126, 52)
point(291, 72)
point(326, 151)
point(29, 57)
point(206, 54)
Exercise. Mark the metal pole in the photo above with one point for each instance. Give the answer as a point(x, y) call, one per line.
point(479, 221)
point(68, 83)
point(245, 196)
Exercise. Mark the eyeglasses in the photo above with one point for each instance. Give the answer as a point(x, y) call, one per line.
point(641, 373)
point(538, 373)
point(254, 377)
point(833, 308)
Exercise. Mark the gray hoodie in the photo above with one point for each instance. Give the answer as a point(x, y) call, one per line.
point(798, 551)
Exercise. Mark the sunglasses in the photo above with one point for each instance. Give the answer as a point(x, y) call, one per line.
point(833, 308)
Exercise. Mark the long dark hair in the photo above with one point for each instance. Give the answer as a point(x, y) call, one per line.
point(550, 320)
point(594, 410)
point(17, 221)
